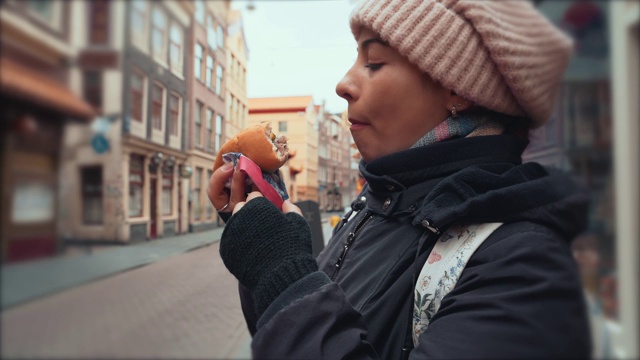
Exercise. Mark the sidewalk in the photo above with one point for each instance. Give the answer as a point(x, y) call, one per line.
point(31, 280)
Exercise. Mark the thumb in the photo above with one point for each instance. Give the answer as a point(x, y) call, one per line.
point(287, 207)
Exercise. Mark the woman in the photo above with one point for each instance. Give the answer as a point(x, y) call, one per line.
point(441, 97)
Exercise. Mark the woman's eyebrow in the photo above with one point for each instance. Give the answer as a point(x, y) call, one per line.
point(370, 41)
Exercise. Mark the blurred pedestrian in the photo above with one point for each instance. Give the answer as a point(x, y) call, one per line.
point(454, 248)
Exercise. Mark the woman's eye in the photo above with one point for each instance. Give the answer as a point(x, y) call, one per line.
point(374, 66)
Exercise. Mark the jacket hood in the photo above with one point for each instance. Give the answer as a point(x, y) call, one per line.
point(479, 180)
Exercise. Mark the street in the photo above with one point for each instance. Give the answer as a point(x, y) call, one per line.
point(183, 306)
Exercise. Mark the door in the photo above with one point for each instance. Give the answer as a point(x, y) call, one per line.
point(153, 208)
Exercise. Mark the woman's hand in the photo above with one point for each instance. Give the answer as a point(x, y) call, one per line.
point(225, 200)
point(287, 206)
point(265, 248)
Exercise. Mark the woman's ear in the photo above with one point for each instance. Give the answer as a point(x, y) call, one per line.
point(456, 103)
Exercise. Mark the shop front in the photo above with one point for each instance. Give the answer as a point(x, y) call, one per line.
point(35, 111)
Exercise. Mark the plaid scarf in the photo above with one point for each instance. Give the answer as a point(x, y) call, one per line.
point(463, 125)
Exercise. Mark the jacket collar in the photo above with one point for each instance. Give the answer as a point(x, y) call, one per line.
point(398, 180)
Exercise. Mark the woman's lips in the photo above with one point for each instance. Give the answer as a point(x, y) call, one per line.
point(357, 125)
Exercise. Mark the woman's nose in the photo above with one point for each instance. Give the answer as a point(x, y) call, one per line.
point(346, 87)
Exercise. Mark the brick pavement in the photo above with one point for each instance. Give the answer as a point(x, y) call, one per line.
point(177, 308)
point(33, 279)
point(184, 307)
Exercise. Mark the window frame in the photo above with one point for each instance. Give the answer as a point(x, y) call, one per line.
point(282, 126)
point(161, 53)
point(174, 114)
point(220, 36)
point(198, 56)
point(200, 12)
point(138, 183)
point(198, 124)
point(219, 79)
point(212, 40)
point(92, 92)
point(140, 38)
point(209, 126)
point(177, 64)
point(209, 71)
point(158, 105)
point(140, 93)
point(219, 130)
point(55, 19)
point(99, 23)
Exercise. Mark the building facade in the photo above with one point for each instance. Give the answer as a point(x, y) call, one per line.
point(38, 101)
point(122, 174)
point(294, 117)
point(207, 86)
point(334, 164)
point(237, 56)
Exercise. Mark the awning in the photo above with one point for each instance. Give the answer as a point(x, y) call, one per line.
point(20, 82)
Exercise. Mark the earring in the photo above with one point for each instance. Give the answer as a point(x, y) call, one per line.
point(454, 111)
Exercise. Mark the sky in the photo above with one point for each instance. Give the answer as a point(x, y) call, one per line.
point(298, 47)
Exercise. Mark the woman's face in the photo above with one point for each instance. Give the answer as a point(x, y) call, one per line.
point(392, 104)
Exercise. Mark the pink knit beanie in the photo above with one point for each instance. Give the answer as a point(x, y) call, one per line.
point(502, 55)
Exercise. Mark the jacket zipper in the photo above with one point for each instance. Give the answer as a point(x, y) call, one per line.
point(350, 239)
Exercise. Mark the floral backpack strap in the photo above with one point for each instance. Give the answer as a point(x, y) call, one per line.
point(442, 269)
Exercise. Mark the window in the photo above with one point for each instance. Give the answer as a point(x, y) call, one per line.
point(174, 114)
point(167, 191)
point(197, 68)
point(92, 195)
point(46, 10)
point(33, 202)
point(158, 36)
point(199, 109)
point(220, 34)
point(43, 8)
point(158, 102)
point(219, 74)
point(210, 211)
point(211, 33)
point(175, 48)
point(209, 74)
point(229, 104)
point(197, 184)
point(209, 128)
point(136, 182)
point(137, 95)
point(233, 66)
point(218, 132)
point(282, 126)
point(92, 88)
point(139, 22)
point(99, 22)
point(200, 11)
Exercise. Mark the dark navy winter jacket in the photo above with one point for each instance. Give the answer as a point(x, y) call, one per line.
point(518, 297)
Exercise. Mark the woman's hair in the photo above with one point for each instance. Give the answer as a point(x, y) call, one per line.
point(502, 55)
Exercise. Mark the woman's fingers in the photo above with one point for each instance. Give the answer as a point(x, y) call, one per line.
point(287, 206)
point(252, 195)
point(238, 189)
point(218, 195)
